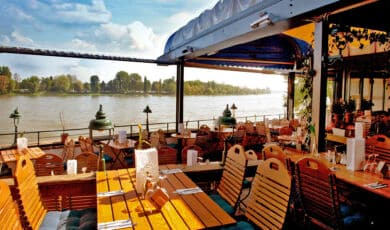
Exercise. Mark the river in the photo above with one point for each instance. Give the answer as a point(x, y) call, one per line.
point(42, 112)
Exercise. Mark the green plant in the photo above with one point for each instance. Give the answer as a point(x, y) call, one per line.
point(350, 106)
point(338, 107)
point(366, 104)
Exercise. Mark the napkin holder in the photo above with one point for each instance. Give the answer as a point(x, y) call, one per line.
point(146, 164)
point(192, 157)
point(71, 167)
point(122, 137)
point(21, 143)
point(355, 153)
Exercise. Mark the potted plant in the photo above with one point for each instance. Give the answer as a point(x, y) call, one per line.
point(350, 107)
point(366, 105)
point(63, 135)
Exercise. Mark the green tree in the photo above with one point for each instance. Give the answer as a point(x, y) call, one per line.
point(122, 82)
point(5, 79)
point(95, 84)
point(86, 87)
point(78, 86)
point(147, 85)
point(169, 86)
point(61, 83)
point(31, 84)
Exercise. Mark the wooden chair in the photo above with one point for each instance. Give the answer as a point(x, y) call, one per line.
point(88, 160)
point(9, 217)
point(49, 164)
point(68, 151)
point(33, 213)
point(155, 140)
point(230, 187)
point(188, 147)
point(275, 151)
point(319, 197)
point(380, 145)
point(167, 155)
point(86, 144)
point(268, 201)
point(250, 155)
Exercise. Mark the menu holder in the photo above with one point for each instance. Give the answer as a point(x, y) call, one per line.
point(71, 167)
point(192, 157)
point(146, 164)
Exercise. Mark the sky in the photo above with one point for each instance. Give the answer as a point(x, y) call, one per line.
point(130, 28)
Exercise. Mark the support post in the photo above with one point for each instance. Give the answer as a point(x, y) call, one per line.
point(290, 93)
point(320, 64)
point(179, 103)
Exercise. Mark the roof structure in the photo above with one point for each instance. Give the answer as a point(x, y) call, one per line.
point(246, 35)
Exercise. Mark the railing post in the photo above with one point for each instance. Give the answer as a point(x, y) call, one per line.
point(38, 136)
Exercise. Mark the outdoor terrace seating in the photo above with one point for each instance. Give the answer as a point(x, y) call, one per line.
point(34, 214)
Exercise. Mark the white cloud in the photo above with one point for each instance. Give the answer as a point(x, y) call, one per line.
point(21, 40)
point(135, 39)
point(70, 13)
point(80, 45)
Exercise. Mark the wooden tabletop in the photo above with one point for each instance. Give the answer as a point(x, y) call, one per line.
point(10, 154)
point(190, 211)
point(356, 178)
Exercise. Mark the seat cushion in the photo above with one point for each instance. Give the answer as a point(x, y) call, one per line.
point(242, 225)
point(51, 219)
point(222, 203)
point(84, 219)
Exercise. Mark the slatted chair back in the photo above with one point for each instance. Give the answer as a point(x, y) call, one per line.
point(275, 151)
point(167, 155)
point(155, 140)
point(88, 160)
point(250, 154)
point(379, 144)
point(161, 134)
point(249, 127)
point(192, 147)
point(317, 193)
point(86, 144)
point(268, 201)
point(9, 217)
point(285, 130)
point(68, 151)
point(49, 164)
point(233, 175)
point(29, 201)
point(260, 128)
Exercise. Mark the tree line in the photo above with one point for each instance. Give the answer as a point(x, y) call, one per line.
point(123, 83)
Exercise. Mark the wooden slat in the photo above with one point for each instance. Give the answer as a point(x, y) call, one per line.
point(9, 217)
point(268, 201)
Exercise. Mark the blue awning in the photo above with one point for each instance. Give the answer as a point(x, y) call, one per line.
point(275, 52)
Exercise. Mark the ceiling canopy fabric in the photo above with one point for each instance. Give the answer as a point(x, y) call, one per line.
point(280, 52)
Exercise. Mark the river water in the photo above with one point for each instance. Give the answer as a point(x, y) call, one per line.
point(42, 112)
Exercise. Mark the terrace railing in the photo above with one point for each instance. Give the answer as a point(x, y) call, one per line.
point(52, 137)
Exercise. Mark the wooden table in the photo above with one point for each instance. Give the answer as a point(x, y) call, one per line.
point(119, 151)
point(358, 179)
point(191, 211)
point(9, 156)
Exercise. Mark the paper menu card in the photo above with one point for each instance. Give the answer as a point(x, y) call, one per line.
point(146, 163)
point(122, 136)
point(355, 153)
point(192, 157)
point(71, 167)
